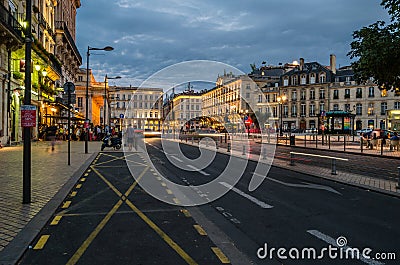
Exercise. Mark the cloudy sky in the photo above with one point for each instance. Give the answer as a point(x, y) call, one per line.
point(150, 35)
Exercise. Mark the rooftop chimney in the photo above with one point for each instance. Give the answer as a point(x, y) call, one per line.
point(333, 63)
point(301, 64)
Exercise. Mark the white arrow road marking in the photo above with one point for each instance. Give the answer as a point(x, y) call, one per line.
point(332, 242)
point(247, 196)
point(305, 185)
point(196, 169)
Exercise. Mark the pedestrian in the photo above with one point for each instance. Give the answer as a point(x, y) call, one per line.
point(130, 134)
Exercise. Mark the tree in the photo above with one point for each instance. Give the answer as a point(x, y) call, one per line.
point(377, 48)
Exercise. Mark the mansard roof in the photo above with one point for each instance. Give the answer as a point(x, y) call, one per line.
point(311, 67)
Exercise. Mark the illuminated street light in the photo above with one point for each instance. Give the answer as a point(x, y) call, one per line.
point(105, 97)
point(107, 48)
point(281, 100)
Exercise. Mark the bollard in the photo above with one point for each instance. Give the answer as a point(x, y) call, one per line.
point(186, 138)
point(244, 150)
point(305, 140)
point(344, 143)
point(206, 142)
point(291, 159)
point(329, 141)
point(398, 183)
point(382, 146)
point(229, 147)
point(192, 140)
point(216, 145)
point(362, 144)
point(333, 167)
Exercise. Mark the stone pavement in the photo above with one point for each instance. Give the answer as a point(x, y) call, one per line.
point(50, 174)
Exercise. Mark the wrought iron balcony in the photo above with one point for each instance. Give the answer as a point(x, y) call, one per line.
point(11, 23)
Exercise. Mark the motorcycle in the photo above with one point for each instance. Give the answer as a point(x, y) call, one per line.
point(111, 141)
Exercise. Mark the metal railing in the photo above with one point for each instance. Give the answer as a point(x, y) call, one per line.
point(333, 172)
point(62, 25)
point(11, 22)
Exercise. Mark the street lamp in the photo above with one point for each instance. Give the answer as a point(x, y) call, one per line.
point(105, 96)
point(107, 48)
point(281, 101)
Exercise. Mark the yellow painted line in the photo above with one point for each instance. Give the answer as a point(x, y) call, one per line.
point(73, 194)
point(78, 186)
point(200, 230)
point(176, 201)
point(224, 259)
point(169, 191)
point(89, 170)
point(66, 204)
point(56, 220)
point(86, 174)
point(151, 169)
point(163, 184)
point(78, 254)
point(42, 241)
point(185, 212)
point(162, 234)
point(83, 179)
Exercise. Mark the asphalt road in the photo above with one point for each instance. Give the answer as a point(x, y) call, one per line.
point(111, 219)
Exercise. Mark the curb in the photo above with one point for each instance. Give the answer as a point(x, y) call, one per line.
point(11, 254)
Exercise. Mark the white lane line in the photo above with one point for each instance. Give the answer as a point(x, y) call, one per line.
point(332, 242)
point(247, 196)
point(200, 171)
point(305, 185)
point(177, 159)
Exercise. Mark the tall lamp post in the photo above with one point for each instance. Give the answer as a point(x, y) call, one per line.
point(107, 48)
point(281, 101)
point(105, 97)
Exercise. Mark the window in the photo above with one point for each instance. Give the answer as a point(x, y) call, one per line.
point(371, 92)
point(260, 98)
point(267, 98)
point(312, 78)
point(370, 109)
point(347, 107)
point(303, 95)
point(294, 95)
point(312, 110)
point(359, 109)
point(275, 111)
point(285, 111)
point(359, 92)
point(117, 105)
point(312, 94)
point(335, 94)
point(80, 78)
point(197, 107)
point(335, 106)
point(294, 80)
point(247, 86)
point(397, 105)
point(322, 93)
point(294, 111)
point(285, 81)
point(135, 97)
point(145, 97)
point(383, 108)
point(129, 97)
point(347, 93)
point(303, 80)
point(348, 79)
point(80, 102)
point(321, 106)
point(322, 78)
point(303, 110)
point(275, 96)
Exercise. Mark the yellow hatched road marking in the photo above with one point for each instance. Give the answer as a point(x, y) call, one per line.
point(78, 254)
point(89, 170)
point(73, 194)
point(185, 212)
point(163, 184)
point(42, 241)
point(86, 174)
point(78, 186)
point(169, 191)
point(83, 179)
point(224, 259)
point(200, 230)
point(56, 220)
point(176, 201)
point(66, 204)
point(158, 178)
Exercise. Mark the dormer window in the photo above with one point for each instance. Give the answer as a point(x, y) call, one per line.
point(294, 80)
point(312, 78)
point(285, 81)
point(303, 80)
point(322, 78)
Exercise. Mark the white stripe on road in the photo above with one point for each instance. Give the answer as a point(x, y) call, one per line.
point(305, 185)
point(332, 242)
point(200, 171)
point(247, 196)
point(177, 159)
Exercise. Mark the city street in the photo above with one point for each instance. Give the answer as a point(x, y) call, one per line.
point(108, 218)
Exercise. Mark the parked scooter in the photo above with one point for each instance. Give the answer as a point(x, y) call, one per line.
point(111, 141)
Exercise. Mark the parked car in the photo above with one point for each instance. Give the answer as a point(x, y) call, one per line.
point(367, 130)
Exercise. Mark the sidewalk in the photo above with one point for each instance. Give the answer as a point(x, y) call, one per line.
point(50, 176)
point(354, 179)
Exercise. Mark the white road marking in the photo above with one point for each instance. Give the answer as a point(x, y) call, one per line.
point(200, 171)
point(305, 185)
point(332, 242)
point(177, 159)
point(247, 196)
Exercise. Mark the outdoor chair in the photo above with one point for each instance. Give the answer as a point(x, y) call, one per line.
point(394, 144)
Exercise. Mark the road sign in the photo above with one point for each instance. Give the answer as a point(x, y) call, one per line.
point(69, 87)
point(65, 99)
point(28, 116)
point(121, 116)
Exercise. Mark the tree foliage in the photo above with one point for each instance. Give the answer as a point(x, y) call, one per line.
point(377, 48)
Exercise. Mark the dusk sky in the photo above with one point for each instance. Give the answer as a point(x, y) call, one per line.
point(153, 34)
